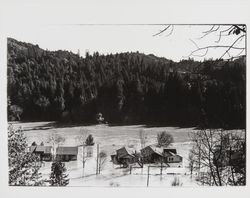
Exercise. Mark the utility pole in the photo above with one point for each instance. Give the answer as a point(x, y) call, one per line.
point(148, 177)
point(83, 156)
point(97, 160)
point(199, 157)
point(83, 159)
point(161, 165)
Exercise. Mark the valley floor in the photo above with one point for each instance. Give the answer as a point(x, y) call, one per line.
point(111, 138)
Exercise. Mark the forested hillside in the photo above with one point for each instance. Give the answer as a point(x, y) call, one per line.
point(126, 88)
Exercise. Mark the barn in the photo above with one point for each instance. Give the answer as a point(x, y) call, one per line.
point(124, 156)
point(152, 154)
point(44, 152)
point(155, 154)
point(66, 153)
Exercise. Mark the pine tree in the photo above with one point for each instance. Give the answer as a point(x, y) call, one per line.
point(23, 166)
point(58, 176)
point(90, 140)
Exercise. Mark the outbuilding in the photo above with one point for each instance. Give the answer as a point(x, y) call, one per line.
point(66, 153)
point(155, 154)
point(44, 152)
point(124, 156)
point(152, 154)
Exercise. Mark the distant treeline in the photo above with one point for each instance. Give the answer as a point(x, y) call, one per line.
point(127, 88)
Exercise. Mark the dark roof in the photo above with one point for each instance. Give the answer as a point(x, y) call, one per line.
point(43, 149)
point(161, 150)
point(67, 151)
point(123, 152)
point(154, 149)
point(170, 150)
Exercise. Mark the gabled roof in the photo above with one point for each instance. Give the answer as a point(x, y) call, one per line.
point(179, 156)
point(155, 149)
point(161, 150)
point(124, 151)
point(67, 151)
point(43, 149)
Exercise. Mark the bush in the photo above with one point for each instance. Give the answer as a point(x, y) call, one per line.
point(176, 182)
point(114, 184)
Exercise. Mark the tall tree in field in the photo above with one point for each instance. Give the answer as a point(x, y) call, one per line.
point(89, 141)
point(55, 140)
point(58, 176)
point(23, 166)
point(86, 149)
point(164, 139)
point(102, 160)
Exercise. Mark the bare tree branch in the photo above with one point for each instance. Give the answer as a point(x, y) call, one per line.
point(220, 35)
point(210, 31)
point(161, 31)
point(214, 46)
point(171, 31)
point(231, 30)
point(232, 46)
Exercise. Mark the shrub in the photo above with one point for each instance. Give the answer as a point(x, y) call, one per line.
point(176, 182)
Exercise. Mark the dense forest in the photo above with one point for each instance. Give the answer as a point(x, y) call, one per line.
point(126, 88)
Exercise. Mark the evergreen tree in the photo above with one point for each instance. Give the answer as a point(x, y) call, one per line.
point(89, 140)
point(125, 87)
point(23, 166)
point(58, 176)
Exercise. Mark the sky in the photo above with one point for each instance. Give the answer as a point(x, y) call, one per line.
point(72, 27)
point(110, 38)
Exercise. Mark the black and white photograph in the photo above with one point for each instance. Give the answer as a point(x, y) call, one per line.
point(124, 104)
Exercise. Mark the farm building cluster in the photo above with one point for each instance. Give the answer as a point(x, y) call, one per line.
point(150, 154)
point(62, 153)
point(123, 156)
